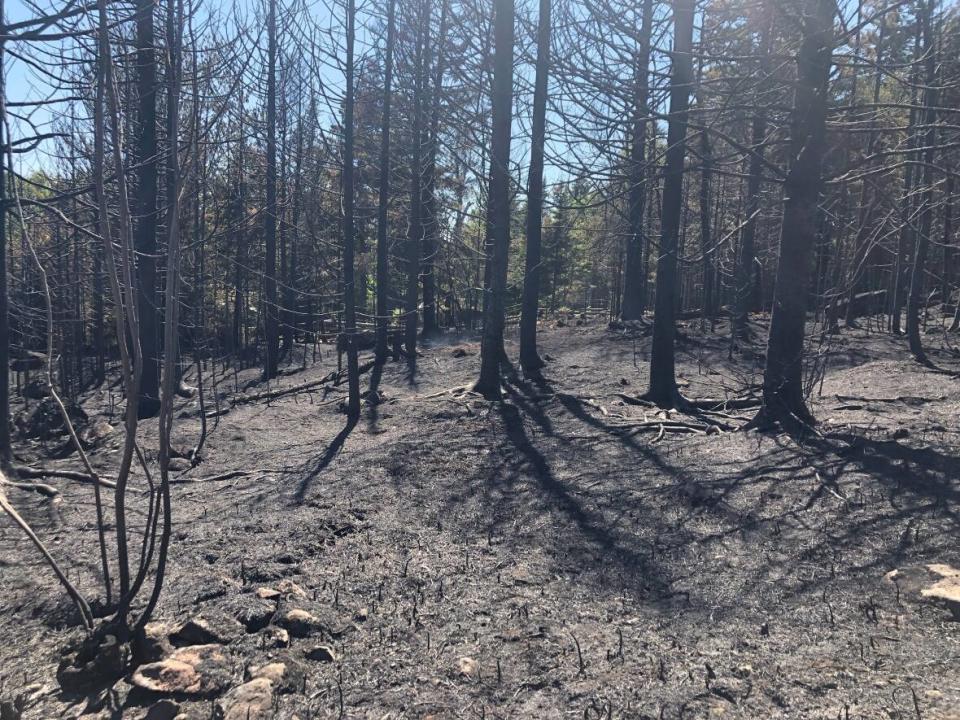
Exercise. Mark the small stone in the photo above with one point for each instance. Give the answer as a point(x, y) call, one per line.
point(289, 588)
point(251, 701)
point(267, 593)
point(322, 653)
point(947, 589)
point(205, 630)
point(250, 611)
point(163, 710)
point(731, 689)
point(96, 432)
point(153, 643)
point(273, 672)
point(467, 666)
point(192, 670)
point(299, 623)
point(936, 582)
point(275, 637)
point(286, 677)
point(361, 615)
point(167, 676)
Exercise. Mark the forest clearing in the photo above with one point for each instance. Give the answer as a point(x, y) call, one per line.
point(547, 556)
point(479, 359)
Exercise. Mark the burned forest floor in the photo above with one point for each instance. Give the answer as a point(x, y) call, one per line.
point(564, 553)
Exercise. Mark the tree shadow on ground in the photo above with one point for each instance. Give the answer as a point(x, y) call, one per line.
point(320, 464)
point(373, 394)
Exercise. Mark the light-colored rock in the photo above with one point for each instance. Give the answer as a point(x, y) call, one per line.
point(251, 701)
point(284, 676)
point(467, 666)
point(299, 623)
point(275, 637)
point(947, 589)
point(936, 582)
point(289, 588)
point(267, 593)
point(96, 432)
point(154, 643)
point(191, 670)
point(273, 672)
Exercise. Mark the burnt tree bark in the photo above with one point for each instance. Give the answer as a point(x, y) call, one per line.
point(915, 298)
point(148, 298)
point(6, 452)
point(383, 199)
point(415, 227)
point(634, 273)
point(783, 396)
point(746, 292)
point(271, 327)
point(431, 221)
point(349, 290)
point(663, 382)
point(530, 359)
point(498, 201)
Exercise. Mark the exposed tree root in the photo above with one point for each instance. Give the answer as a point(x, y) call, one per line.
point(212, 478)
point(34, 473)
point(41, 488)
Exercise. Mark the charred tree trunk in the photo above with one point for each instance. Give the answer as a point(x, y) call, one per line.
point(498, 201)
point(415, 227)
point(663, 383)
point(349, 290)
point(6, 452)
point(907, 239)
point(783, 396)
point(383, 200)
point(708, 309)
point(271, 324)
point(862, 246)
point(530, 359)
point(634, 274)
point(431, 221)
point(148, 298)
point(915, 300)
point(746, 290)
